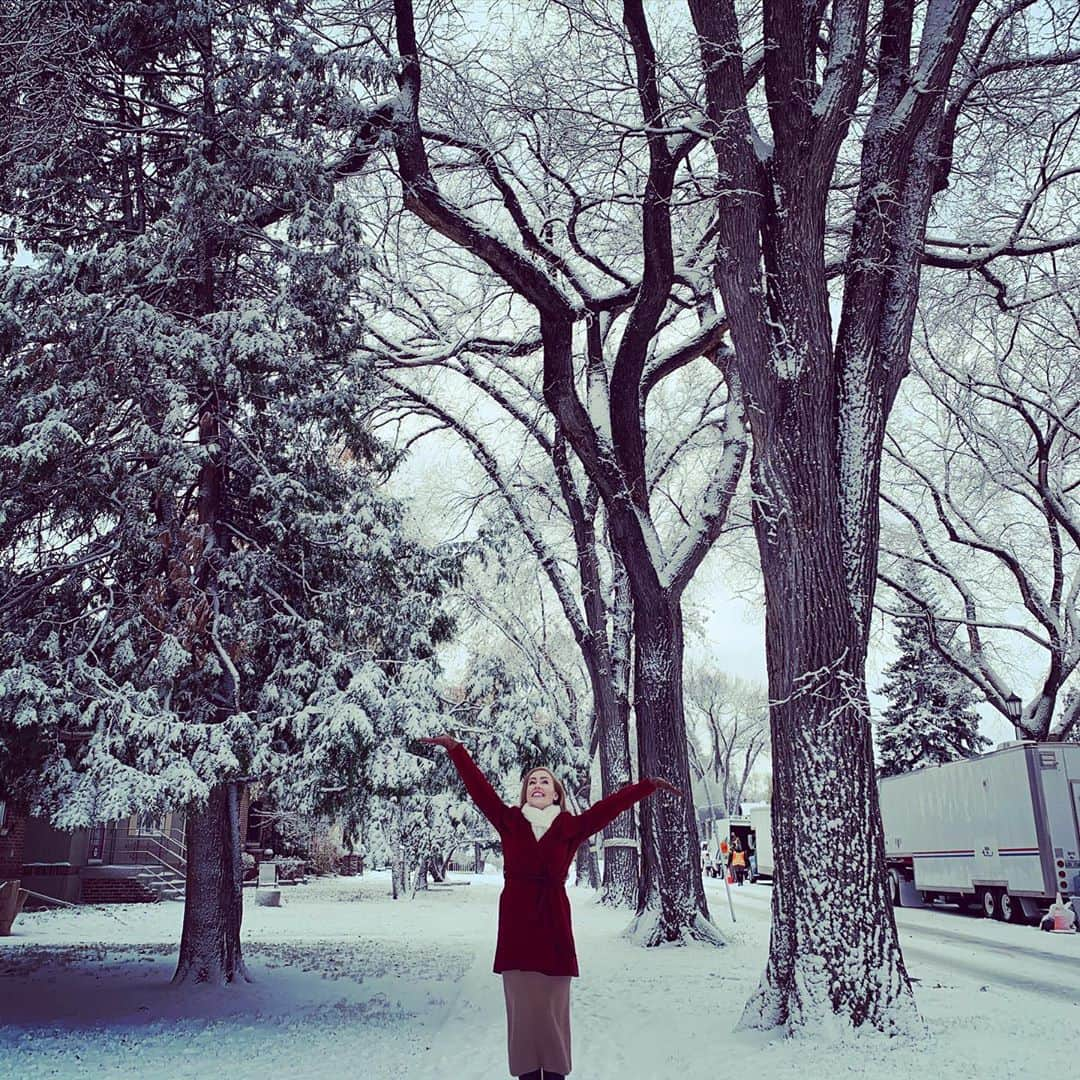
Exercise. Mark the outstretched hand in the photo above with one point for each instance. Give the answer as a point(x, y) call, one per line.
point(445, 741)
point(663, 785)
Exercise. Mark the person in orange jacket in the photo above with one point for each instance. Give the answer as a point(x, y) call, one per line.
point(737, 862)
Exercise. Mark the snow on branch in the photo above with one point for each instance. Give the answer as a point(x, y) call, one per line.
point(709, 337)
point(715, 500)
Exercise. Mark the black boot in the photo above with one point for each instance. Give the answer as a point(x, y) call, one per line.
point(536, 1074)
point(553, 1076)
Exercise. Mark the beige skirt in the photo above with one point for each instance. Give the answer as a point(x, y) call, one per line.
point(537, 1021)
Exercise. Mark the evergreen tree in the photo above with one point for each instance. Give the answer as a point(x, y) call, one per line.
point(930, 718)
point(200, 580)
point(419, 813)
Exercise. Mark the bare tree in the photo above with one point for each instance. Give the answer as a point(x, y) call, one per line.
point(623, 328)
point(827, 131)
point(560, 523)
point(732, 716)
point(983, 473)
point(802, 228)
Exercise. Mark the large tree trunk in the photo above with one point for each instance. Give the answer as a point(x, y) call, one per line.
point(399, 863)
point(671, 902)
point(622, 850)
point(834, 949)
point(214, 905)
point(615, 461)
point(818, 433)
point(620, 840)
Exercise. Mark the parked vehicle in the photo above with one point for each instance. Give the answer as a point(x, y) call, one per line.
point(998, 833)
point(761, 831)
point(752, 829)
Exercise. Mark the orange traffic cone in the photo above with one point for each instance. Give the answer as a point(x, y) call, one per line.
point(1063, 917)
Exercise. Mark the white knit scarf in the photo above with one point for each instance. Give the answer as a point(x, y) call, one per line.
point(540, 820)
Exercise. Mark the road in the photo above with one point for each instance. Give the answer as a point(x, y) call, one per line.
point(940, 943)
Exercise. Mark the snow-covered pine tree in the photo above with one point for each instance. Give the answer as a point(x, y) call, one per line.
point(400, 807)
point(200, 580)
point(413, 813)
point(511, 724)
point(578, 680)
point(930, 718)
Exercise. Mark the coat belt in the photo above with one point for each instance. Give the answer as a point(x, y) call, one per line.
point(525, 875)
point(543, 909)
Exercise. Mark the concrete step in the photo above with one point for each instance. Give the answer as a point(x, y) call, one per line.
point(165, 885)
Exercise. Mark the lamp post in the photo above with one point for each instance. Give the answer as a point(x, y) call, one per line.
point(1013, 708)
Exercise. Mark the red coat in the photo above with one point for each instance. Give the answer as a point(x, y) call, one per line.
point(535, 933)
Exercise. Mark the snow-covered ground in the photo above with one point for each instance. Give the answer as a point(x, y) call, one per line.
point(349, 983)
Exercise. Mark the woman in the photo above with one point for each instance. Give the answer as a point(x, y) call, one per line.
point(535, 951)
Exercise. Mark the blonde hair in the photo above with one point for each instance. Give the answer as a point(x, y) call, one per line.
point(560, 791)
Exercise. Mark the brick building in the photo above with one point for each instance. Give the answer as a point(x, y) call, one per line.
point(12, 841)
point(137, 859)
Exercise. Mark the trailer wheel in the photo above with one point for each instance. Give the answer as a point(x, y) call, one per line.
point(1011, 910)
point(894, 888)
point(988, 903)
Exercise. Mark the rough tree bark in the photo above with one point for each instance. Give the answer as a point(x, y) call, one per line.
point(620, 838)
point(658, 648)
point(605, 658)
point(214, 904)
point(818, 415)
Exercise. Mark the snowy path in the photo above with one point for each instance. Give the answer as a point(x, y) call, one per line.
point(351, 984)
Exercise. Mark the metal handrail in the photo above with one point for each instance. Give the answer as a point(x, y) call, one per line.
point(174, 870)
point(166, 840)
point(174, 847)
point(158, 839)
point(164, 836)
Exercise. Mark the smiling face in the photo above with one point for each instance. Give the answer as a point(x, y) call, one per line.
point(540, 790)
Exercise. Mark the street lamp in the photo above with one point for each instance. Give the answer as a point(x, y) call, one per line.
point(1013, 708)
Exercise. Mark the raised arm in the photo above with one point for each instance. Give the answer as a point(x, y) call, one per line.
point(476, 783)
point(607, 810)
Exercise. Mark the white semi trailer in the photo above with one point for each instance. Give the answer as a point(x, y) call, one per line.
point(998, 833)
point(761, 824)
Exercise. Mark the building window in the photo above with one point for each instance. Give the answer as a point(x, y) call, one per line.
point(145, 825)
